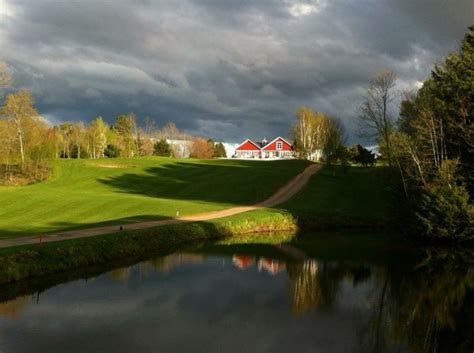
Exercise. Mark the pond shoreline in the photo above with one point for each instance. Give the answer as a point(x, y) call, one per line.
point(30, 261)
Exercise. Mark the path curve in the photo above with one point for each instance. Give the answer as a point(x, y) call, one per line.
point(285, 193)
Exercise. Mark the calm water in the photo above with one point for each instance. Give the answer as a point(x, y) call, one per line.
point(302, 296)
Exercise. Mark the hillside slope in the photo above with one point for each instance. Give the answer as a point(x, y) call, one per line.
point(89, 192)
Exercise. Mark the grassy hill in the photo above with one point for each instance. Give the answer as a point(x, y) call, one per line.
point(87, 192)
point(341, 197)
point(338, 198)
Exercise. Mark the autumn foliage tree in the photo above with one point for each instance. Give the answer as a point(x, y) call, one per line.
point(201, 148)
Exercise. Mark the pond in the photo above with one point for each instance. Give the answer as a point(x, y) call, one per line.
point(311, 293)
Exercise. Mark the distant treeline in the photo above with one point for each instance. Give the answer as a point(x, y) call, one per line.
point(28, 144)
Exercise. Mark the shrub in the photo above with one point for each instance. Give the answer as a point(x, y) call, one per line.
point(162, 148)
point(112, 151)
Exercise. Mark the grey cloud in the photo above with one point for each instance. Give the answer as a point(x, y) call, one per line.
point(225, 69)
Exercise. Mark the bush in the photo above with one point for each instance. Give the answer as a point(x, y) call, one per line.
point(112, 151)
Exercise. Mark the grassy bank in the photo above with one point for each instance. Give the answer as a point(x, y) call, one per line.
point(94, 192)
point(56, 257)
point(342, 200)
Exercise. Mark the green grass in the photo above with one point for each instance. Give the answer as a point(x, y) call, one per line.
point(357, 197)
point(87, 192)
point(343, 198)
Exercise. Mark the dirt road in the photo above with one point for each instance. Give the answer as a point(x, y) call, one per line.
point(282, 195)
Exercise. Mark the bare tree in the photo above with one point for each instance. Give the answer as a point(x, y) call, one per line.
point(374, 114)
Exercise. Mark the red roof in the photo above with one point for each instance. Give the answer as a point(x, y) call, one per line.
point(272, 146)
point(249, 145)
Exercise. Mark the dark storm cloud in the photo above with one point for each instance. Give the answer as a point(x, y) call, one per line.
point(226, 69)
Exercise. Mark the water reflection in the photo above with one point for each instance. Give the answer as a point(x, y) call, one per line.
point(12, 309)
point(266, 299)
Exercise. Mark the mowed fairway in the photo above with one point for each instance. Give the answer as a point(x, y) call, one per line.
point(91, 192)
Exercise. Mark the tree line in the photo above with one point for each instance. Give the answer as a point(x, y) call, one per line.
point(28, 145)
point(428, 146)
point(431, 145)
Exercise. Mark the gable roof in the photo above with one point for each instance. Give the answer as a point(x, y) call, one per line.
point(248, 140)
point(276, 139)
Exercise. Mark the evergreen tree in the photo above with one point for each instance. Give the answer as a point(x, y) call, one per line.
point(219, 151)
point(162, 148)
point(450, 94)
point(111, 151)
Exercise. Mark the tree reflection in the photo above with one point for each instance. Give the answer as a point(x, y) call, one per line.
point(314, 285)
point(423, 305)
point(13, 308)
point(428, 308)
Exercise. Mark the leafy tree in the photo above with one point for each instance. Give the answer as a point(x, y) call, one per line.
point(78, 152)
point(78, 133)
point(22, 118)
point(97, 137)
point(125, 127)
point(212, 147)
point(66, 131)
point(162, 148)
point(219, 151)
point(26, 142)
point(309, 132)
point(334, 141)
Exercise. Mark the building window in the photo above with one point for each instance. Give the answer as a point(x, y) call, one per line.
point(279, 145)
point(267, 154)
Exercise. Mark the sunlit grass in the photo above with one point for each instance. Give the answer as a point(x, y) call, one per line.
point(84, 193)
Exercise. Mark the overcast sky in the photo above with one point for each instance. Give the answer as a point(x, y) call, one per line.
point(227, 69)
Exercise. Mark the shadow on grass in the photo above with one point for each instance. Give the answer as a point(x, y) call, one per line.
point(244, 183)
point(70, 226)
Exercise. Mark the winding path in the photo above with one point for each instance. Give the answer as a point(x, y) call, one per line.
point(282, 195)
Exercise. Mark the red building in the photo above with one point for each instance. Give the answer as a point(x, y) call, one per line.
point(242, 261)
point(276, 149)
